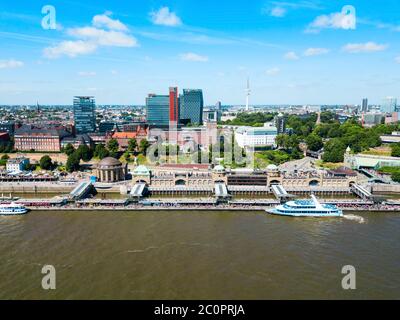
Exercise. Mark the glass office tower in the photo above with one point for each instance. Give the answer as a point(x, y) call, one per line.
point(158, 110)
point(84, 114)
point(191, 106)
point(389, 105)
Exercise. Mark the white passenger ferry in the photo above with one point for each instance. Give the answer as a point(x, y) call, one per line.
point(12, 209)
point(306, 208)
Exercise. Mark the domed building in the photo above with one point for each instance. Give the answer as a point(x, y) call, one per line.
point(219, 174)
point(111, 170)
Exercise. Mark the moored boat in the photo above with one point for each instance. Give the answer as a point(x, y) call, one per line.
point(306, 208)
point(12, 209)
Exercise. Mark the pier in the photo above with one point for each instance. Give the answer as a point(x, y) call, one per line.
point(81, 190)
point(221, 190)
point(138, 190)
point(279, 192)
point(361, 192)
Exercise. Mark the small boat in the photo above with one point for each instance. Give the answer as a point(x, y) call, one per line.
point(306, 208)
point(12, 209)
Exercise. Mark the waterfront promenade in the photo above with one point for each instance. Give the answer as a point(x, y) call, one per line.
point(217, 207)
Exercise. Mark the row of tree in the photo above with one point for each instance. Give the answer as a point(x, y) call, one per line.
point(101, 151)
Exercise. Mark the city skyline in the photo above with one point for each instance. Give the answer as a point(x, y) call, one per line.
point(297, 52)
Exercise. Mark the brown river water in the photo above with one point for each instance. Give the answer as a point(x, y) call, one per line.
point(198, 255)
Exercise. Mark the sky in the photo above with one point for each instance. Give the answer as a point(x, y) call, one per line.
point(293, 52)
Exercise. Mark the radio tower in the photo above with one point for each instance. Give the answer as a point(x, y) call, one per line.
point(247, 94)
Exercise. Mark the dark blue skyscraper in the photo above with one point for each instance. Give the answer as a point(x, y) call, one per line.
point(191, 106)
point(84, 114)
point(158, 110)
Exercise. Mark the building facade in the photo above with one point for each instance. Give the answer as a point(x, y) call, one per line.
point(256, 137)
point(29, 137)
point(157, 110)
point(364, 106)
point(17, 164)
point(173, 105)
point(84, 114)
point(191, 106)
point(389, 105)
point(110, 170)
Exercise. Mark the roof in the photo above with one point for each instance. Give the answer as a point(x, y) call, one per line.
point(141, 170)
point(32, 130)
point(124, 135)
point(185, 165)
point(109, 162)
point(219, 168)
point(257, 131)
point(343, 171)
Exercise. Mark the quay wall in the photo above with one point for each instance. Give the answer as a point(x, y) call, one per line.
point(386, 188)
point(39, 188)
point(187, 209)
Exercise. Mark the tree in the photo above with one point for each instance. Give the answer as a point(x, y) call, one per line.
point(73, 162)
point(396, 150)
point(132, 145)
point(281, 140)
point(45, 162)
point(69, 149)
point(127, 156)
point(113, 146)
point(100, 151)
point(143, 146)
point(84, 152)
point(396, 176)
point(334, 150)
point(314, 142)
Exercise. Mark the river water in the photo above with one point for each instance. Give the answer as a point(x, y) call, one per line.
point(198, 255)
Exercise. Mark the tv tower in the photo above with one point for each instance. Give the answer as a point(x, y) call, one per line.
point(247, 94)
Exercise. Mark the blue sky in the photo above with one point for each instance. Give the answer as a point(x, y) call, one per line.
point(294, 52)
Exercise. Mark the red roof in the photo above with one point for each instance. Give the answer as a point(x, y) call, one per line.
point(124, 135)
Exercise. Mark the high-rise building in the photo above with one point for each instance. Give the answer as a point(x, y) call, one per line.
point(158, 110)
point(364, 106)
point(191, 106)
point(218, 106)
point(173, 105)
point(280, 123)
point(84, 114)
point(389, 105)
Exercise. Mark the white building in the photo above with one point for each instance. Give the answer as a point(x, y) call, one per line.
point(256, 136)
point(17, 164)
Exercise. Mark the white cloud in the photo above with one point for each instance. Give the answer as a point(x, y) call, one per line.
point(291, 56)
point(337, 20)
point(104, 20)
point(190, 56)
point(103, 37)
point(165, 17)
point(273, 71)
point(70, 49)
point(364, 47)
point(86, 73)
point(315, 52)
point(397, 59)
point(10, 64)
point(92, 37)
point(278, 12)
